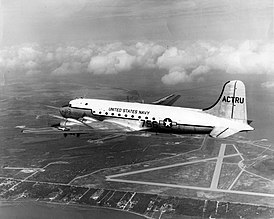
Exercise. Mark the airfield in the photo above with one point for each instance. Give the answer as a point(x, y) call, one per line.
point(159, 177)
point(156, 176)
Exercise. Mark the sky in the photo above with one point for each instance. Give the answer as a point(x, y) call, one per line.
point(182, 40)
point(147, 45)
point(78, 20)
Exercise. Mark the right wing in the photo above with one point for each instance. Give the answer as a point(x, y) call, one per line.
point(168, 100)
point(53, 130)
point(86, 125)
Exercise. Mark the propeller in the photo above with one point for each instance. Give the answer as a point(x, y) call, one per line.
point(52, 107)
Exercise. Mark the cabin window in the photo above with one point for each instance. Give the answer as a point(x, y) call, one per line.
point(146, 117)
point(86, 103)
point(132, 116)
point(153, 118)
point(112, 114)
point(119, 114)
point(106, 113)
point(100, 112)
point(139, 117)
point(125, 115)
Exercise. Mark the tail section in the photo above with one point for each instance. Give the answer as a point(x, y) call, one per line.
point(231, 103)
point(231, 106)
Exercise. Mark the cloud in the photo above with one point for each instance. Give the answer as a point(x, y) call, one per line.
point(175, 76)
point(182, 61)
point(268, 84)
point(68, 68)
point(179, 58)
point(249, 57)
point(147, 54)
point(200, 70)
point(20, 59)
point(111, 63)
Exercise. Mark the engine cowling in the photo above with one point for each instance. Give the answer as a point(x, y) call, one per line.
point(70, 123)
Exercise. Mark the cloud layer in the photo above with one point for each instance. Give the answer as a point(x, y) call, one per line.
point(182, 62)
point(268, 84)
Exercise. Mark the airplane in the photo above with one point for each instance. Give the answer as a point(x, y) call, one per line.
point(227, 116)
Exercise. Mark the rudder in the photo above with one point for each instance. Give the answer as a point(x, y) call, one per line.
point(231, 103)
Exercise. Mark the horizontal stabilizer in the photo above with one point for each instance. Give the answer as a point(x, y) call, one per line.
point(222, 132)
point(225, 131)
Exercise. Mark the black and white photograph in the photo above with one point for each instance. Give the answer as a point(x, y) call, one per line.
point(136, 109)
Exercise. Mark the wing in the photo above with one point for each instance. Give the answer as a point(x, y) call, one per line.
point(53, 130)
point(168, 100)
point(87, 125)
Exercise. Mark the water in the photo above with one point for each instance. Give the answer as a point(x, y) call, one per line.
point(33, 210)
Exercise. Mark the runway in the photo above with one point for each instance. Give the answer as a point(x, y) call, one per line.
point(214, 182)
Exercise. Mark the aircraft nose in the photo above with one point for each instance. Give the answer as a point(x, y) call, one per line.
point(63, 111)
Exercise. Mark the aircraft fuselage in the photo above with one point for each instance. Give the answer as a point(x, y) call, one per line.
point(140, 116)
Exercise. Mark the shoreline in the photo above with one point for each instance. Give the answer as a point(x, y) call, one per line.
point(79, 208)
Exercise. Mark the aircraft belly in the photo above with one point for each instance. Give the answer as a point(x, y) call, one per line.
point(186, 129)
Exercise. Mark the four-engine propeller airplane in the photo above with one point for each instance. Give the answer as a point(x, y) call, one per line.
point(224, 118)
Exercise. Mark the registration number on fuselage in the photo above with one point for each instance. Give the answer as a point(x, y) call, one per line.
point(167, 122)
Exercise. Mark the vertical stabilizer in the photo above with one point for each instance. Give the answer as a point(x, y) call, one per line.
point(231, 103)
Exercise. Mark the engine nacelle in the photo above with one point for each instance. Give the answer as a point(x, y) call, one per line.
point(69, 112)
point(70, 123)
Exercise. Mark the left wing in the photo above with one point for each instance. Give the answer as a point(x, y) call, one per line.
point(168, 100)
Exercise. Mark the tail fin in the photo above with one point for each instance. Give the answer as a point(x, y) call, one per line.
point(231, 103)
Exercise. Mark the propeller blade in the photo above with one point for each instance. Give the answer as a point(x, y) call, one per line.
point(52, 107)
point(58, 117)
